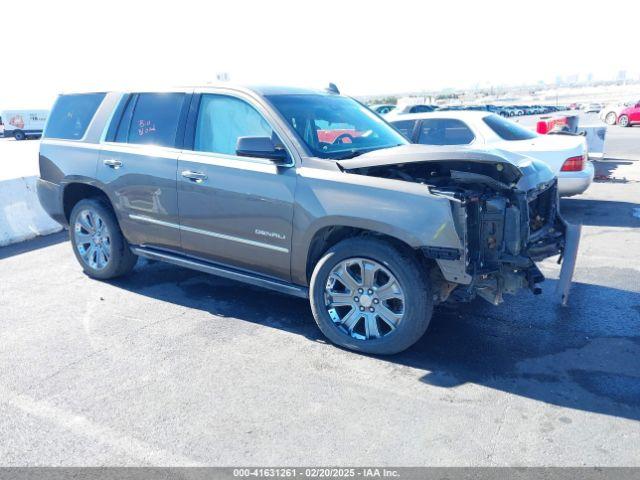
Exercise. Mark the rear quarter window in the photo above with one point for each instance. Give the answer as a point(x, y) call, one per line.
point(506, 129)
point(72, 114)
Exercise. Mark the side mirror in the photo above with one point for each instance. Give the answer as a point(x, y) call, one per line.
point(262, 147)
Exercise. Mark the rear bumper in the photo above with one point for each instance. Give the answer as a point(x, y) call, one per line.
point(50, 196)
point(575, 183)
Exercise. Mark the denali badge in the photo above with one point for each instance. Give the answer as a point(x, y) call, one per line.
point(264, 233)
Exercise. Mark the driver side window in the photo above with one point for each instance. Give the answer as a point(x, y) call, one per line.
point(222, 120)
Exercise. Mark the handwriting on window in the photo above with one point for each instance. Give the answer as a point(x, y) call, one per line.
point(145, 127)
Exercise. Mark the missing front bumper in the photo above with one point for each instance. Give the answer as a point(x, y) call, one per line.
point(569, 257)
point(504, 238)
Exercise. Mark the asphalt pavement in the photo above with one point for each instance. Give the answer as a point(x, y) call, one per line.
point(173, 367)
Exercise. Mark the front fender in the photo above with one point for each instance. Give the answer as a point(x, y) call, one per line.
point(402, 210)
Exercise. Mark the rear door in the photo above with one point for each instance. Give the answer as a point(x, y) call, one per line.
point(138, 164)
point(234, 210)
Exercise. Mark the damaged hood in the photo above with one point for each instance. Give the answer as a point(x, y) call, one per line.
point(525, 172)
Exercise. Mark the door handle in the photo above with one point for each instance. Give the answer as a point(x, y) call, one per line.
point(197, 177)
point(113, 163)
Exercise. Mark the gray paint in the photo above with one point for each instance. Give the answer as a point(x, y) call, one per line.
point(144, 185)
point(251, 201)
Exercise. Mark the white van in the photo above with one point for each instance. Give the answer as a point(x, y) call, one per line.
point(22, 124)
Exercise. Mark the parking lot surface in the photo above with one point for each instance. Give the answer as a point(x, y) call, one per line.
point(173, 367)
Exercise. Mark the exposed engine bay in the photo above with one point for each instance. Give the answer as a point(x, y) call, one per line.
point(506, 225)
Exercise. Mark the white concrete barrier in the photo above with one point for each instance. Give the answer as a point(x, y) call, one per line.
point(21, 216)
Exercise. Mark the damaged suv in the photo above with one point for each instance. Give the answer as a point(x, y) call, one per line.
point(304, 192)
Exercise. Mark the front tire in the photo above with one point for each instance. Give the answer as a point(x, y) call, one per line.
point(97, 240)
point(369, 296)
point(623, 121)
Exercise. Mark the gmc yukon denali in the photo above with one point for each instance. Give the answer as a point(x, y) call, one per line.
point(305, 192)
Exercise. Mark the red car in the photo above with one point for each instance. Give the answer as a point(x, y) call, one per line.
point(629, 116)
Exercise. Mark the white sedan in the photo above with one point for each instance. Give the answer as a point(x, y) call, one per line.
point(565, 154)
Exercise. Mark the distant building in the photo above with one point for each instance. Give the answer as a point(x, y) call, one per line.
point(572, 78)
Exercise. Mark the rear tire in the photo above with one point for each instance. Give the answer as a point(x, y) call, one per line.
point(395, 287)
point(623, 121)
point(610, 118)
point(97, 240)
point(19, 135)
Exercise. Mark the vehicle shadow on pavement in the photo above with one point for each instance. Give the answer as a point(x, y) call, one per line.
point(221, 297)
point(585, 356)
point(601, 213)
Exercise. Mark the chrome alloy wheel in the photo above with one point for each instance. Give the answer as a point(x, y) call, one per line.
point(92, 239)
point(364, 299)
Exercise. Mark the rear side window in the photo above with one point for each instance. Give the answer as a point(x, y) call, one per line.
point(151, 118)
point(72, 114)
point(405, 127)
point(444, 131)
point(506, 129)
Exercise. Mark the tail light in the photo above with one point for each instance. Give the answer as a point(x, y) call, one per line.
point(573, 164)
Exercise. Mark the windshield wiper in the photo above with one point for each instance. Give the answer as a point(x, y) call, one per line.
point(351, 154)
point(357, 153)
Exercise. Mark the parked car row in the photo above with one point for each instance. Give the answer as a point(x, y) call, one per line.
point(520, 110)
point(504, 110)
point(383, 109)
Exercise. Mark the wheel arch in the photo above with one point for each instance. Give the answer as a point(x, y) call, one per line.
point(75, 191)
point(326, 236)
point(606, 115)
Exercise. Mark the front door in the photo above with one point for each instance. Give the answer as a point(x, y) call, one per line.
point(234, 210)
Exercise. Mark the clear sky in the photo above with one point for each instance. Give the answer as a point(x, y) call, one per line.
point(365, 47)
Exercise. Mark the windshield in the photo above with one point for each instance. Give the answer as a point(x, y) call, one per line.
point(335, 127)
point(506, 129)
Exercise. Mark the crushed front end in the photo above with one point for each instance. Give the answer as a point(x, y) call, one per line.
point(504, 233)
point(505, 209)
